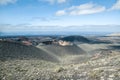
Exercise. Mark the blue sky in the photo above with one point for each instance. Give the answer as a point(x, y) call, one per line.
point(59, 15)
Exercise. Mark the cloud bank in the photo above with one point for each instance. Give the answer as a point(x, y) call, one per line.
point(39, 29)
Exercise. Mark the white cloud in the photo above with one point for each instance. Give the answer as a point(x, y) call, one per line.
point(116, 6)
point(60, 12)
point(88, 8)
point(5, 2)
point(54, 1)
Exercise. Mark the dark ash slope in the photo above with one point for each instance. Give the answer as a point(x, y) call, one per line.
point(13, 50)
point(63, 50)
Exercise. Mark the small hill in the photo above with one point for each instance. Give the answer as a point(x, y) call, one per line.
point(62, 51)
point(13, 50)
point(75, 38)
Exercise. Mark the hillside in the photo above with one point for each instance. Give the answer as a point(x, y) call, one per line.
point(54, 53)
point(61, 51)
point(84, 61)
point(13, 50)
point(102, 67)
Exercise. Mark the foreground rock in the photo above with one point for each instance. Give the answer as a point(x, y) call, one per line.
point(105, 67)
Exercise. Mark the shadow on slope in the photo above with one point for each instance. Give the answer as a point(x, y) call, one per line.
point(62, 51)
point(13, 50)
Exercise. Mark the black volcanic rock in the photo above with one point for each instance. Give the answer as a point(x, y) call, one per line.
point(75, 38)
point(13, 50)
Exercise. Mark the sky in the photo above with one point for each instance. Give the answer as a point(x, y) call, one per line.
point(59, 15)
